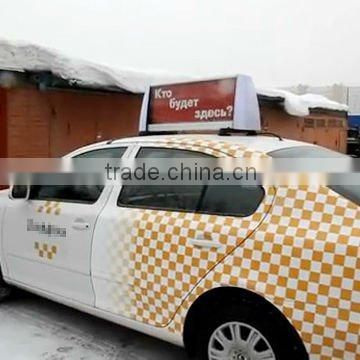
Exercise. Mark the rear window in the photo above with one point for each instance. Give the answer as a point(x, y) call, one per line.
point(351, 192)
point(305, 152)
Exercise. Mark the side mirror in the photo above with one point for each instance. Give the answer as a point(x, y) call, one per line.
point(20, 192)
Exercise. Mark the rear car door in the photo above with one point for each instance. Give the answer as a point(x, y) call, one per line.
point(162, 240)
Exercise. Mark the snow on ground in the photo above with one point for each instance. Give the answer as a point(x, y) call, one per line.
point(32, 328)
point(22, 56)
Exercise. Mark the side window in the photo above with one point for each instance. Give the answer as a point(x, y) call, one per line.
point(163, 197)
point(83, 194)
point(110, 153)
point(86, 194)
point(19, 191)
point(229, 200)
point(175, 198)
point(68, 191)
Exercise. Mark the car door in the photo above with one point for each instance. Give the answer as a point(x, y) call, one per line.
point(160, 244)
point(48, 239)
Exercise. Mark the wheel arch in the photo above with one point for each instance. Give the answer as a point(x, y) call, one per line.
point(214, 299)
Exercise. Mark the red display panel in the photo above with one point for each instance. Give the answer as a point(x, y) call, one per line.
point(203, 101)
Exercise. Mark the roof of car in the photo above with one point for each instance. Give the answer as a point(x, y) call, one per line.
point(263, 144)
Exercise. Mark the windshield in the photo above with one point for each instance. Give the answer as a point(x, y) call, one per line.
point(351, 192)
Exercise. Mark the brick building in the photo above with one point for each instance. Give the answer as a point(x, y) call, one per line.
point(323, 126)
point(43, 116)
point(51, 104)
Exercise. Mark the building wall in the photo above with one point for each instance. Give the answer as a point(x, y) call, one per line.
point(53, 123)
point(88, 118)
point(28, 118)
point(324, 128)
point(3, 124)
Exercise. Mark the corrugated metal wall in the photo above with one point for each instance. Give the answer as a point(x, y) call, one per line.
point(328, 129)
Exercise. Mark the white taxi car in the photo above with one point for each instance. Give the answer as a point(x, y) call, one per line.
point(231, 273)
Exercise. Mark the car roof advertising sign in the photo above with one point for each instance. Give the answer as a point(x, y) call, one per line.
point(202, 105)
point(198, 101)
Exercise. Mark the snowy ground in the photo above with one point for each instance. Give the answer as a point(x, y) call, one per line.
point(32, 328)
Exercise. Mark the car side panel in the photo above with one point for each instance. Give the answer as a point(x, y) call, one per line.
point(4, 198)
point(143, 265)
point(304, 259)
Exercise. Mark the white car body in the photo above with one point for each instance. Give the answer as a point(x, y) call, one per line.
point(79, 270)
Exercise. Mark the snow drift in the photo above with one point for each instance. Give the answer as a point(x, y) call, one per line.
point(21, 56)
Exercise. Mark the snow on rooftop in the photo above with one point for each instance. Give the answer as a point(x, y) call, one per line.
point(300, 105)
point(21, 56)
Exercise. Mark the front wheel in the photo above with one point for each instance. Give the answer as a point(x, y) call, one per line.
point(5, 290)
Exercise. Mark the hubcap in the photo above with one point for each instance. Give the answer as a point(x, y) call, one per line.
point(239, 341)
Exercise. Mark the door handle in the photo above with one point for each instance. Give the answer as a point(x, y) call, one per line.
point(201, 241)
point(80, 225)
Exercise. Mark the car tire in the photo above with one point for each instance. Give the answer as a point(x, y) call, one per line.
point(5, 290)
point(244, 332)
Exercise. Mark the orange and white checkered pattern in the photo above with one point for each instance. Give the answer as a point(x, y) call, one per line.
point(121, 250)
point(303, 256)
point(135, 265)
point(45, 251)
point(167, 267)
point(132, 268)
point(214, 148)
point(50, 207)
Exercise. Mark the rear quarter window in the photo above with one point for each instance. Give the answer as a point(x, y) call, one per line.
point(350, 192)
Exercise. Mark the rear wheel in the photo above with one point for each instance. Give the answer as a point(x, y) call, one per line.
point(245, 332)
point(239, 341)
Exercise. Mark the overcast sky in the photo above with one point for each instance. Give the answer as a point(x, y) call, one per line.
point(278, 42)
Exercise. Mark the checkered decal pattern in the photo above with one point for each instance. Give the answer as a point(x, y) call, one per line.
point(121, 249)
point(50, 207)
point(167, 267)
point(152, 261)
point(304, 258)
point(45, 251)
point(215, 148)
